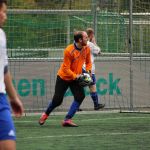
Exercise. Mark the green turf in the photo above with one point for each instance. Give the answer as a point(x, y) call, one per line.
point(103, 131)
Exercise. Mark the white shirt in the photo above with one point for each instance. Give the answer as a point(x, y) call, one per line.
point(3, 59)
point(94, 52)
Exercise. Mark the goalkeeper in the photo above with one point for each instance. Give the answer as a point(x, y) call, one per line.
point(69, 76)
point(95, 51)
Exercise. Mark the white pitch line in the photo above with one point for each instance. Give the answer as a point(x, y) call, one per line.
point(82, 120)
point(85, 135)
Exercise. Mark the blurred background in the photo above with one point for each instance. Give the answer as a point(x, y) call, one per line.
point(39, 30)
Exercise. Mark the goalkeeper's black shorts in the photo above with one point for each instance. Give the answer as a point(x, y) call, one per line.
point(61, 88)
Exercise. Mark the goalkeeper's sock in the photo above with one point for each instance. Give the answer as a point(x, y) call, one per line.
point(94, 97)
point(50, 108)
point(74, 107)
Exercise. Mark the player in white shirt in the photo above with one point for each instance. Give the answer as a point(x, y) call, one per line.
point(95, 51)
point(7, 129)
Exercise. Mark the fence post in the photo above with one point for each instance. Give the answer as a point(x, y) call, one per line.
point(94, 11)
point(68, 30)
point(131, 53)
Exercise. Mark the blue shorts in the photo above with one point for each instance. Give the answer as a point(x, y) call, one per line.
point(7, 129)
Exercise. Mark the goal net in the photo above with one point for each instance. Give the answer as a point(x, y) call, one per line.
point(38, 31)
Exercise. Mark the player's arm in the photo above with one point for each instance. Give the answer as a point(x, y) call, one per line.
point(93, 40)
point(88, 62)
point(15, 102)
point(67, 64)
point(8, 83)
point(94, 49)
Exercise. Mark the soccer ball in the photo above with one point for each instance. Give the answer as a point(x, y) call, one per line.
point(85, 80)
point(87, 77)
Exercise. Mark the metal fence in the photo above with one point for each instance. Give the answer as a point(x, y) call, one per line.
point(37, 35)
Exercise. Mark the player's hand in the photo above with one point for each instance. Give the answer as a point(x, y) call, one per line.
point(78, 76)
point(89, 72)
point(84, 80)
point(17, 107)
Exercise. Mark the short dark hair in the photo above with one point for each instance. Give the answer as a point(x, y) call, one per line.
point(89, 31)
point(78, 35)
point(3, 1)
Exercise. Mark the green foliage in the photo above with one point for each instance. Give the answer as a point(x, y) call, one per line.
point(21, 4)
point(51, 30)
point(50, 4)
point(35, 31)
point(110, 5)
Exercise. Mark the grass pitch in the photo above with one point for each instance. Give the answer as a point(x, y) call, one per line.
point(99, 131)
